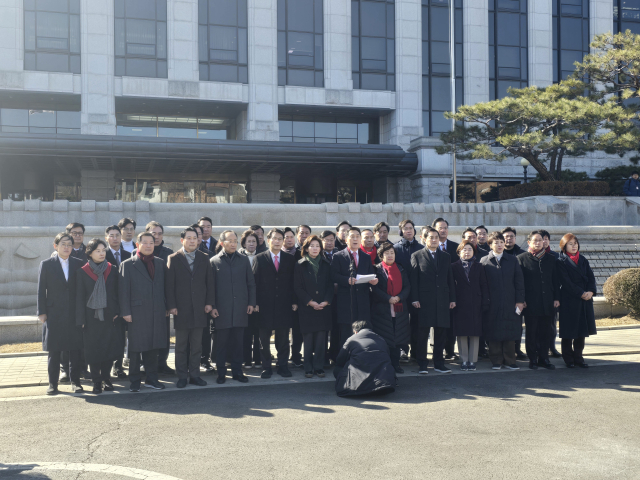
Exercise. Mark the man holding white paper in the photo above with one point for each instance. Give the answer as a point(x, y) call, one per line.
point(353, 296)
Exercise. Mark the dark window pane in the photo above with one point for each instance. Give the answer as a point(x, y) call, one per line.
point(223, 38)
point(52, 25)
point(120, 69)
point(242, 46)
point(363, 133)
point(509, 5)
point(74, 34)
point(243, 74)
point(282, 49)
point(440, 24)
point(53, 43)
point(223, 12)
point(140, 67)
point(119, 34)
point(391, 56)
point(356, 81)
point(203, 44)
point(140, 9)
point(425, 93)
point(355, 18)
point(286, 128)
point(440, 52)
point(303, 129)
point(509, 29)
point(202, 11)
point(68, 120)
point(391, 22)
point(162, 69)
point(374, 65)
point(204, 72)
point(373, 21)
point(161, 10)
point(74, 64)
point(568, 59)
point(374, 81)
point(14, 117)
point(355, 54)
point(52, 62)
point(426, 123)
point(242, 13)
point(509, 72)
point(347, 130)
point(319, 79)
point(30, 30)
point(439, 124)
point(300, 15)
point(319, 65)
point(524, 66)
point(282, 77)
point(391, 82)
point(326, 130)
point(141, 32)
point(440, 93)
point(40, 118)
point(223, 73)
point(509, 57)
point(52, 5)
point(425, 58)
point(303, 78)
point(225, 56)
point(177, 132)
point(298, 61)
point(136, 49)
point(282, 15)
point(318, 16)
point(571, 33)
point(161, 33)
point(374, 48)
point(300, 44)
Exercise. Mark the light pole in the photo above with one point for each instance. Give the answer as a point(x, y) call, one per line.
point(525, 163)
point(452, 69)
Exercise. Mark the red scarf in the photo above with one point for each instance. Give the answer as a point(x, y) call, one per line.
point(575, 257)
point(373, 254)
point(93, 276)
point(394, 283)
point(148, 262)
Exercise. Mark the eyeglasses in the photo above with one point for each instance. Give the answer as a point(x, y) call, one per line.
point(232, 242)
point(77, 234)
point(66, 244)
point(129, 229)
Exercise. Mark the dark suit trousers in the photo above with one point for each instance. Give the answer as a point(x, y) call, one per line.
point(65, 362)
point(314, 345)
point(335, 345)
point(73, 366)
point(101, 371)
point(150, 362)
point(346, 330)
point(572, 349)
point(537, 337)
point(207, 340)
point(251, 344)
point(439, 339)
point(296, 340)
point(282, 347)
point(229, 340)
point(450, 343)
point(163, 353)
point(502, 352)
point(188, 344)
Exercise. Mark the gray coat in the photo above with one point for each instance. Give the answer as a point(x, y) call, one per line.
point(506, 288)
point(235, 289)
point(143, 299)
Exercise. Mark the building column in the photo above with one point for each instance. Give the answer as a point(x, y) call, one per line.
point(97, 58)
point(337, 45)
point(600, 17)
point(430, 183)
point(540, 17)
point(11, 39)
point(262, 112)
point(405, 122)
point(98, 185)
point(475, 18)
point(264, 188)
point(182, 40)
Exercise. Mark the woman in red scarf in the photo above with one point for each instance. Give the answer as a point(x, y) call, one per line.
point(389, 312)
point(577, 288)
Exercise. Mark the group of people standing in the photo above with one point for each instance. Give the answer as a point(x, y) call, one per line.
point(346, 291)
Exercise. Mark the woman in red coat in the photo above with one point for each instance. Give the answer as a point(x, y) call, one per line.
point(472, 297)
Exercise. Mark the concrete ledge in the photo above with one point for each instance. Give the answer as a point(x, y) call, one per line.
point(604, 309)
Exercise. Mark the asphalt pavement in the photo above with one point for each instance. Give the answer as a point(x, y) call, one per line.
point(562, 424)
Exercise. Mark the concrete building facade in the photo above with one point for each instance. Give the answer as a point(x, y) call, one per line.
point(268, 101)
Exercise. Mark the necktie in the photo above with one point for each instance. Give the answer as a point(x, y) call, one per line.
point(117, 258)
point(276, 262)
point(355, 259)
point(442, 247)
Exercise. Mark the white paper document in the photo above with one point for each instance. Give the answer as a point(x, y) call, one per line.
point(364, 278)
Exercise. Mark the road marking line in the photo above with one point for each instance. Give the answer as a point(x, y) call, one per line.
point(86, 467)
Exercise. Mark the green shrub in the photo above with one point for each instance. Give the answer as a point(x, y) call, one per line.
point(616, 177)
point(558, 189)
point(567, 176)
point(623, 288)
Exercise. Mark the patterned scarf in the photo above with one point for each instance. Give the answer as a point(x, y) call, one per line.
point(539, 254)
point(466, 264)
point(98, 299)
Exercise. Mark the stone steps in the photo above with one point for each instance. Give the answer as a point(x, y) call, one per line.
point(607, 260)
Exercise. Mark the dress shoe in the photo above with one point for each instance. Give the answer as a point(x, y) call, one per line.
point(181, 383)
point(297, 363)
point(472, 367)
point(52, 390)
point(221, 380)
point(64, 378)
point(118, 373)
point(284, 372)
point(533, 365)
point(442, 369)
point(398, 369)
point(520, 355)
point(496, 366)
point(107, 386)
point(247, 365)
point(86, 375)
point(512, 367)
point(266, 373)
point(257, 365)
point(76, 388)
point(464, 367)
point(197, 381)
point(483, 355)
point(582, 365)
point(125, 362)
point(97, 388)
point(546, 364)
point(308, 374)
point(451, 356)
point(166, 370)
point(241, 377)
point(320, 373)
point(571, 365)
point(155, 384)
point(555, 353)
point(135, 387)
point(207, 367)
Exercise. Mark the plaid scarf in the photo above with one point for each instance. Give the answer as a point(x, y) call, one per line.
point(539, 254)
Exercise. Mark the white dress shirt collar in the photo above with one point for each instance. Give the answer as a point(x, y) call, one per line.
point(65, 267)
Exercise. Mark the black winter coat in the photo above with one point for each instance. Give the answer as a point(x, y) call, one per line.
point(160, 251)
point(404, 250)
point(515, 251)
point(340, 272)
point(576, 317)
point(451, 249)
point(189, 291)
point(433, 287)
point(80, 254)
point(274, 290)
point(56, 300)
point(103, 340)
point(472, 298)
point(363, 365)
point(308, 287)
point(235, 289)
point(541, 285)
point(395, 331)
point(124, 255)
point(506, 288)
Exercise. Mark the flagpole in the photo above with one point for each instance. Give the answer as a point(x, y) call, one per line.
point(452, 60)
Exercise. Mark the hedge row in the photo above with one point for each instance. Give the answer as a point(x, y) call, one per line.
point(583, 189)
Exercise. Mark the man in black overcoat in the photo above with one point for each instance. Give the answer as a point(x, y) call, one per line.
point(542, 294)
point(363, 365)
point(76, 230)
point(275, 301)
point(328, 251)
point(353, 300)
point(511, 247)
point(433, 293)
point(190, 294)
point(55, 309)
point(116, 254)
point(450, 247)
